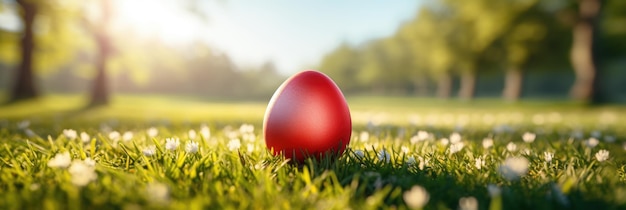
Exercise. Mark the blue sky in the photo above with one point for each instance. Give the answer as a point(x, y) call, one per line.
point(296, 34)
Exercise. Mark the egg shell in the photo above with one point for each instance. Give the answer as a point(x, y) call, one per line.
point(308, 116)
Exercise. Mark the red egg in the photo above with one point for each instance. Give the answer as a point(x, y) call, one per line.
point(307, 117)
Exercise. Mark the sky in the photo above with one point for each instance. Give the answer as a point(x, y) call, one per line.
point(294, 35)
point(297, 34)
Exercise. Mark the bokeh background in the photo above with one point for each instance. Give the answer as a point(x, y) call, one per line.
point(572, 50)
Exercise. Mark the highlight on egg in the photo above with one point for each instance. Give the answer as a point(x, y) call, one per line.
point(307, 117)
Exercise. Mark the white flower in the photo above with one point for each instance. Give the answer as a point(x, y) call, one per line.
point(234, 144)
point(514, 167)
point(157, 192)
point(487, 143)
point(149, 151)
point(548, 156)
point(511, 147)
point(479, 163)
point(172, 143)
point(85, 137)
point(70, 134)
point(456, 147)
point(592, 142)
point(114, 135)
point(416, 198)
point(249, 137)
point(526, 151)
point(82, 173)
point(60, 160)
point(468, 203)
point(423, 162)
point(246, 128)
point(364, 136)
point(359, 153)
point(90, 162)
point(250, 148)
point(493, 190)
point(444, 141)
point(384, 156)
point(191, 134)
point(410, 161)
point(127, 136)
point(529, 137)
point(624, 145)
point(205, 132)
point(421, 136)
point(191, 147)
point(455, 137)
point(404, 149)
point(152, 132)
point(602, 155)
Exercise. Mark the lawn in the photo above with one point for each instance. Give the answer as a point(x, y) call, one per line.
point(161, 152)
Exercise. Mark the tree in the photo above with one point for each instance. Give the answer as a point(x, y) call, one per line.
point(584, 51)
point(24, 87)
point(99, 27)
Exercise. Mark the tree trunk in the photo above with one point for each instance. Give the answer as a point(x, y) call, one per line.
point(582, 52)
point(100, 90)
point(513, 84)
point(444, 86)
point(468, 85)
point(24, 87)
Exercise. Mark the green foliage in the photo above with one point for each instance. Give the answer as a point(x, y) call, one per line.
point(221, 176)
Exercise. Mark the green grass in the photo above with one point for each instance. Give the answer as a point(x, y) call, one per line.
point(217, 177)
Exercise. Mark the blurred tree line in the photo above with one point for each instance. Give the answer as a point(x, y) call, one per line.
point(543, 48)
point(67, 46)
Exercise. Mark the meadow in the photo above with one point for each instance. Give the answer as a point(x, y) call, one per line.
point(156, 152)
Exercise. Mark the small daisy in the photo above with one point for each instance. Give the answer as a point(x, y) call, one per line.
point(455, 138)
point(410, 161)
point(172, 143)
point(416, 198)
point(487, 143)
point(152, 132)
point(364, 136)
point(602, 155)
point(359, 153)
point(191, 134)
point(84, 137)
point(383, 155)
point(191, 147)
point(250, 148)
point(149, 151)
point(90, 162)
point(547, 156)
point(592, 142)
point(511, 147)
point(479, 163)
point(82, 173)
point(444, 141)
point(514, 168)
point(114, 135)
point(234, 144)
point(456, 147)
point(404, 149)
point(529, 137)
point(127, 136)
point(246, 128)
point(205, 132)
point(468, 203)
point(60, 160)
point(70, 134)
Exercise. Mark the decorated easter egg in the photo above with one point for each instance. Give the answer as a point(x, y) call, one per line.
point(307, 117)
